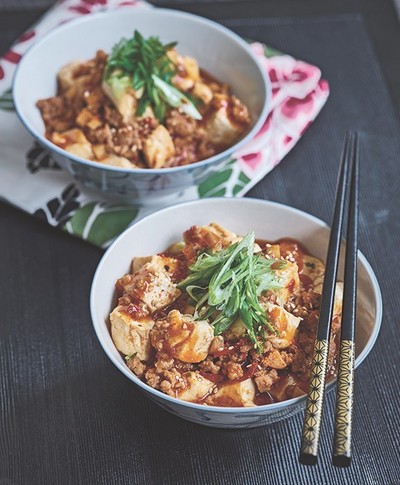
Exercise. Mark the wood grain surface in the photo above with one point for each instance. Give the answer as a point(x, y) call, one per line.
point(69, 416)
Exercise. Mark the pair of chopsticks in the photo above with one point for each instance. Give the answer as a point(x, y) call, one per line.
point(348, 181)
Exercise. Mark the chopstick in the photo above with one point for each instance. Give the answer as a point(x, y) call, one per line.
point(345, 383)
point(316, 391)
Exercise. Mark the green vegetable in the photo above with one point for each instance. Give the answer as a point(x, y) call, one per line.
point(227, 285)
point(176, 99)
point(146, 65)
point(130, 357)
point(119, 85)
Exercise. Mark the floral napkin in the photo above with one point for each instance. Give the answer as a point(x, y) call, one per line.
point(32, 180)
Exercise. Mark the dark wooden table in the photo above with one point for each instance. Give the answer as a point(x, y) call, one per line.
point(68, 416)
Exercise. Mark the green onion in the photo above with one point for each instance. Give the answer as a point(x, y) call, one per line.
point(227, 285)
point(176, 99)
point(146, 65)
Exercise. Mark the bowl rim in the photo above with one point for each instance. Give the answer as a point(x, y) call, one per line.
point(17, 86)
point(219, 409)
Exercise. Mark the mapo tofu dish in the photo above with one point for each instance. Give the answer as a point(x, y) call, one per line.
point(223, 320)
point(142, 106)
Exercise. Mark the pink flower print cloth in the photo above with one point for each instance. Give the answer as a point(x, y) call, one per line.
point(32, 180)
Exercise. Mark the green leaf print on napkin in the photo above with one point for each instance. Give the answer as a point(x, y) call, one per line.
point(271, 52)
point(228, 182)
point(100, 222)
point(6, 101)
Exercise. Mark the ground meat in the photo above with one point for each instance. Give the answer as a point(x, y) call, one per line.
point(185, 152)
point(302, 304)
point(208, 365)
point(170, 381)
point(277, 359)
point(271, 297)
point(125, 143)
point(112, 116)
point(146, 125)
point(333, 347)
point(238, 111)
point(157, 335)
point(95, 99)
point(152, 378)
point(217, 344)
point(205, 149)
point(234, 371)
point(265, 379)
point(128, 299)
point(56, 113)
point(245, 346)
point(121, 139)
point(166, 387)
point(180, 124)
point(183, 367)
point(162, 365)
point(300, 363)
point(136, 366)
point(101, 135)
point(190, 140)
point(125, 137)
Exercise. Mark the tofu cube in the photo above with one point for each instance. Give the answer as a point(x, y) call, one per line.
point(284, 322)
point(158, 147)
point(116, 161)
point(191, 67)
point(203, 92)
point(74, 141)
point(131, 336)
point(125, 101)
point(66, 78)
point(288, 277)
point(314, 268)
point(151, 284)
point(221, 128)
point(241, 394)
point(198, 387)
point(189, 340)
point(338, 301)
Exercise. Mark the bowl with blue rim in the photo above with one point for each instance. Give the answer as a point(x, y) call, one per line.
point(217, 49)
point(269, 221)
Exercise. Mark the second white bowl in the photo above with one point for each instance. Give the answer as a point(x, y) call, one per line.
point(270, 221)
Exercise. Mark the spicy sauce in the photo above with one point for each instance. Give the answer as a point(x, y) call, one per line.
point(290, 249)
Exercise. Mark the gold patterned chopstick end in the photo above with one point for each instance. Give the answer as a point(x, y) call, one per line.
point(344, 405)
point(315, 400)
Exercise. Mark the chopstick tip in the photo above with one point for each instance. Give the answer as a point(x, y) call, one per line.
point(341, 461)
point(307, 459)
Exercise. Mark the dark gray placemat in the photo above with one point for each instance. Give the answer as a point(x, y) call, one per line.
point(68, 416)
point(306, 179)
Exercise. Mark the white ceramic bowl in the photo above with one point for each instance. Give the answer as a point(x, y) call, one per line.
point(270, 221)
point(218, 50)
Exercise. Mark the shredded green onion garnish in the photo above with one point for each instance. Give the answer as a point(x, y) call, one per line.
point(227, 285)
point(145, 63)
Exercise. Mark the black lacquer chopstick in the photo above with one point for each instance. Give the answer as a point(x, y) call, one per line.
point(316, 391)
point(345, 383)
